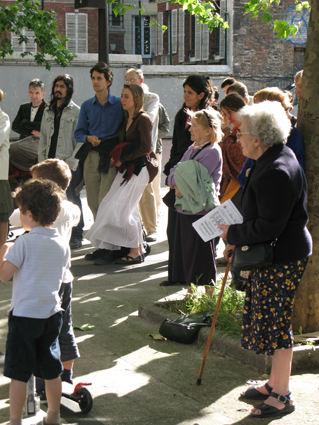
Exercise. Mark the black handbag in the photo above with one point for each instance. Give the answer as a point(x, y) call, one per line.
point(255, 256)
point(169, 199)
point(185, 329)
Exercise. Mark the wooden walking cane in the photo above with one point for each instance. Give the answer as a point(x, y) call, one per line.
point(199, 379)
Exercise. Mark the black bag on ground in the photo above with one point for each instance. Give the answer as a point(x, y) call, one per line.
point(185, 329)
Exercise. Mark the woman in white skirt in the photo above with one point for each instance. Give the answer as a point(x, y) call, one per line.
point(117, 222)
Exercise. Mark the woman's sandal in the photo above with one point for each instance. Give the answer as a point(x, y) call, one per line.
point(267, 411)
point(130, 260)
point(253, 394)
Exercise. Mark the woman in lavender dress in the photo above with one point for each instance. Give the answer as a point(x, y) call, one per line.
point(194, 259)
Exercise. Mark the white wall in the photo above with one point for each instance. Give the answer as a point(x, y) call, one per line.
point(166, 81)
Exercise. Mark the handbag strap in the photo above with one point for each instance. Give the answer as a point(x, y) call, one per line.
point(199, 150)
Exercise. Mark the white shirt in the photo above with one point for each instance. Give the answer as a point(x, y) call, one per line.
point(69, 217)
point(41, 256)
point(4, 144)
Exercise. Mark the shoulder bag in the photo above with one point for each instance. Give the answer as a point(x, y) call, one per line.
point(255, 256)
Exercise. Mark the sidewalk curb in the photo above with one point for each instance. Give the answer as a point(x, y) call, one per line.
point(225, 345)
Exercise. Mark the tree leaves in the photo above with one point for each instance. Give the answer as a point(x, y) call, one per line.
point(283, 28)
point(26, 14)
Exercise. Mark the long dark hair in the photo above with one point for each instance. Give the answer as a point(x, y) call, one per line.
point(201, 84)
point(68, 81)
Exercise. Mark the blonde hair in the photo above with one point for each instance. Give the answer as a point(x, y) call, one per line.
point(210, 119)
point(1, 95)
point(138, 97)
point(274, 94)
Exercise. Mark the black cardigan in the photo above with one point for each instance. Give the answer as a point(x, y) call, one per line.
point(22, 124)
point(274, 206)
point(181, 141)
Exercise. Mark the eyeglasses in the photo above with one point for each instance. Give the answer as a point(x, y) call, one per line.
point(131, 80)
point(239, 134)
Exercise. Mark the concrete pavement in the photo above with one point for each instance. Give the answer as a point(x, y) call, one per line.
point(139, 381)
point(136, 380)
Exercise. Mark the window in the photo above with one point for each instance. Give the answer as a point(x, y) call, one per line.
point(160, 33)
point(142, 38)
point(181, 35)
point(174, 31)
point(77, 32)
point(115, 21)
point(30, 46)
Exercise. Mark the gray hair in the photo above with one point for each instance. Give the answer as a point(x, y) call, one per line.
point(137, 71)
point(266, 121)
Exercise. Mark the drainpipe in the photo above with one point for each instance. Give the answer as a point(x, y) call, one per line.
point(226, 16)
point(170, 39)
point(140, 22)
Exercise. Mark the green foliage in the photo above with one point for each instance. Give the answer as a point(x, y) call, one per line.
point(231, 308)
point(26, 14)
point(121, 9)
point(282, 28)
point(207, 13)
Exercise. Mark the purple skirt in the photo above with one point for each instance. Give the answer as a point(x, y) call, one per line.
point(194, 259)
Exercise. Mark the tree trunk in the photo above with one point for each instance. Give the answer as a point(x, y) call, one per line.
point(306, 311)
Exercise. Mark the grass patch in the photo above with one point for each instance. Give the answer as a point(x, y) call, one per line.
point(230, 313)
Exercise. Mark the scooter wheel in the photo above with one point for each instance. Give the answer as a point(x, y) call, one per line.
point(86, 400)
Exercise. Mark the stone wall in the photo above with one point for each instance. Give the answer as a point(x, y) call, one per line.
point(259, 59)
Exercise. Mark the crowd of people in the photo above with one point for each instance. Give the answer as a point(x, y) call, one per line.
point(246, 149)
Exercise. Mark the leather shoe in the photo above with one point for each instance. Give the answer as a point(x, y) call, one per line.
point(75, 243)
point(151, 237)
point(91, 256)
point(105, 257)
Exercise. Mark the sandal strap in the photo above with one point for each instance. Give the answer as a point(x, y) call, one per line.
point(285, 399)
point(268, 387)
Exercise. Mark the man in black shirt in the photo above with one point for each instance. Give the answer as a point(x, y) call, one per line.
point(57, 139)
point(24, 152)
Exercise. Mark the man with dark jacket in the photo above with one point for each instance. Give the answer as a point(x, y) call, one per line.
point(24, 153)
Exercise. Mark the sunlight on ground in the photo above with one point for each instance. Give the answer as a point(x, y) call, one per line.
point(90, 300)
point(119, 321)
point(82, 338)
point(81, 297)
point(91, 276)
point(123, 378)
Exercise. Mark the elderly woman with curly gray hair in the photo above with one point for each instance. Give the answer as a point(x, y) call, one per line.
point(273, 207)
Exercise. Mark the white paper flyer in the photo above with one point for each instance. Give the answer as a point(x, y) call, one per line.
point(207, 226)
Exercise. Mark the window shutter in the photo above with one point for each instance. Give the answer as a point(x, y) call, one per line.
point(181, 36)
point(20, 48)
point(198, 41)
point(70, 31)
point(222, 31)
point(82, 33)
point(160, 34)
point(76, 32)
point(174, 31)
point(205, 43)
